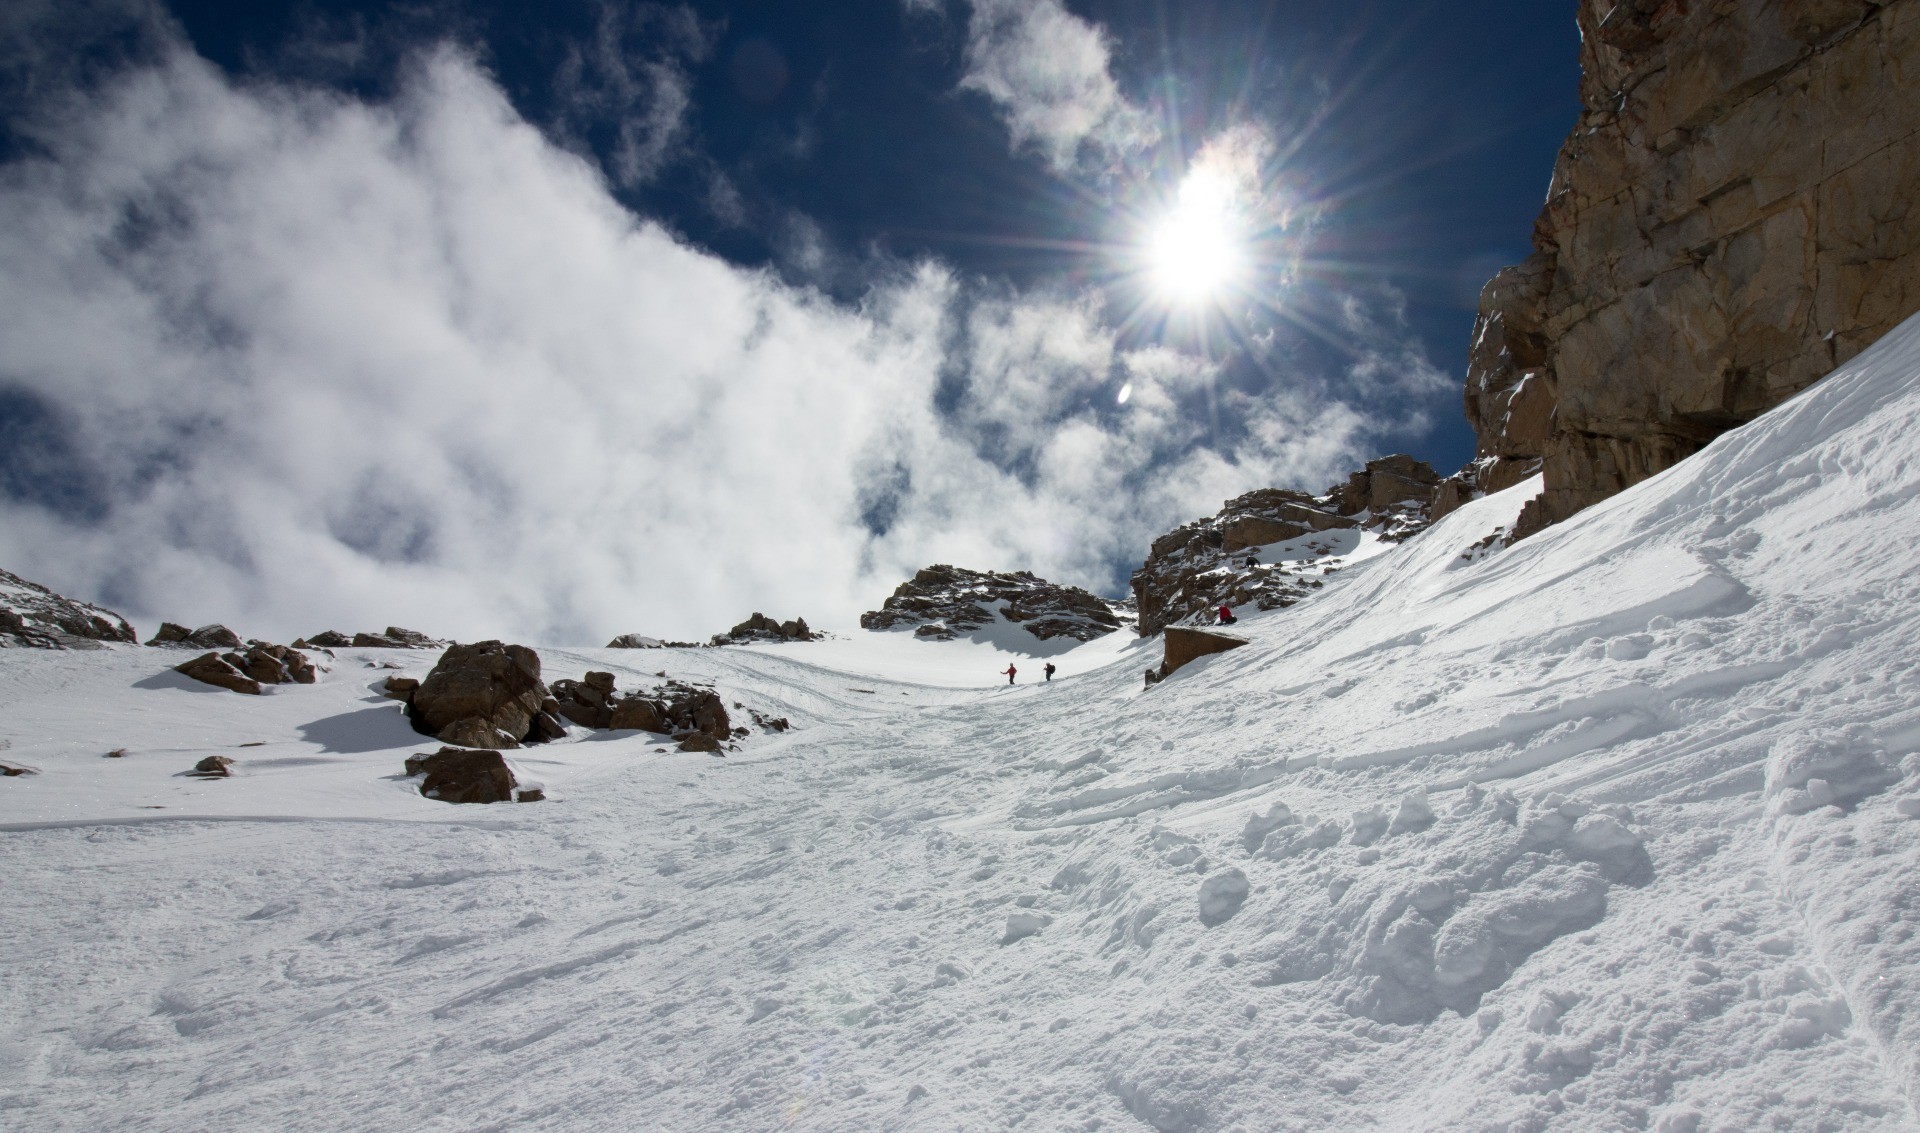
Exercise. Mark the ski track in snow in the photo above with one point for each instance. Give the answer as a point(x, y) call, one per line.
point(1615, 829)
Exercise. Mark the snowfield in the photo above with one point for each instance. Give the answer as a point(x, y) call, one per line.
point(1612, 830)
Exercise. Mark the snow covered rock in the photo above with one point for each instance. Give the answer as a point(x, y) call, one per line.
point(262, 664)
point(943, 601)
point(463, 775)
point(485, 695)
point(223, 671)
point(676, 709)
point(587, 702)
point(396, 637)
point(33, 616)
point(206, 637)
point(760, 627)
point(642, 641)
point(1194, 569)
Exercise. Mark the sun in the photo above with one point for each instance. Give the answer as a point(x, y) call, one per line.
point(1197, 252)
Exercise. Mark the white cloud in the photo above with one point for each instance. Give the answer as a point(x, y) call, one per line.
point(1047, 70)
point(335, 364)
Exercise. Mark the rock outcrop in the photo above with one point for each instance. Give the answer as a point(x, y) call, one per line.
point(31, 616)
point(1194, 569)
point(466, 775)
point(206, 637)
point(587, 702)
point(642, 641)
point(1732, 217)
point(1184, 644)
point(675, 709)
point(943, 601)
point(395, 637)
point(262, 664)
point(486, 695)
point(760, 627)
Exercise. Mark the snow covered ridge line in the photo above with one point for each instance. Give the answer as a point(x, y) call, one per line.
point(34, 617)
point(1271, 548)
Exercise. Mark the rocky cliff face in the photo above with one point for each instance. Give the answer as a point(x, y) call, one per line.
point(37, 618)
point(943, 601)
point(1732, 217)
point(1195, 569)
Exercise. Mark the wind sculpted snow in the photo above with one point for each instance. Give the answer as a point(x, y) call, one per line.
point(1613, 829)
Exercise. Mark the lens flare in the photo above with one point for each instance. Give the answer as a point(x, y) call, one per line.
point(1198, 250)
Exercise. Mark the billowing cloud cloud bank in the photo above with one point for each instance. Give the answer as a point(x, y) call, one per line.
point(289, 360)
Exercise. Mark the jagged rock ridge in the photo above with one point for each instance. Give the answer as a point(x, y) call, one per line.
point(1196, 568)
point(1730, 219)
point(760, 627)
point(943, 601)
point(34, 617)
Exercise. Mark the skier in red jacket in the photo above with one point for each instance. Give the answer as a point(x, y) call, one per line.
point(1226, 616)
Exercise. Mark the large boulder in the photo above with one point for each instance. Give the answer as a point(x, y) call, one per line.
point(35, 617)
point(1184, 644)
point(1730, 219)
point(464, 775)
point(485, 695)
point(942, 600)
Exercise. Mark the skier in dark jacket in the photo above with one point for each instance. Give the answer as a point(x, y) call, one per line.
point(1049, 670)
point(1010, 671)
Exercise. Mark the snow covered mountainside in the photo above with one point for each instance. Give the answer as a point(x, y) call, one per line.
point(1611, 830)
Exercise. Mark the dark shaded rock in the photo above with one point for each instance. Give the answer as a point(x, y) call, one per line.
point(699, 741)
point(34, 617)
point(941, 601)
point(394, 638)
point(400, 688)
point(214, 669)
point(588, 702)
point(485, 695)
point(206, 637)
point(530, 795)
point(330, 639)
point(13, 770)
point(464, 775)
point(760, 627)
point(1183, 644)
point(213, 767)
point(640, 713)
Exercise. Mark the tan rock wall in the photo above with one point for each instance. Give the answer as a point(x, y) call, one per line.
point(1731, 218)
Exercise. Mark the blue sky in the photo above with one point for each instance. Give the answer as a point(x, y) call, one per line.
point(950, 206)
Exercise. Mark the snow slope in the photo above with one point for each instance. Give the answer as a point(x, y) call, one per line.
point(1610, 830)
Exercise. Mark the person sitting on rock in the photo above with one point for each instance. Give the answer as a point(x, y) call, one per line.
point(1226, 616)
point(1253, 559)
point(1010, 671)
point(1049, 670)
